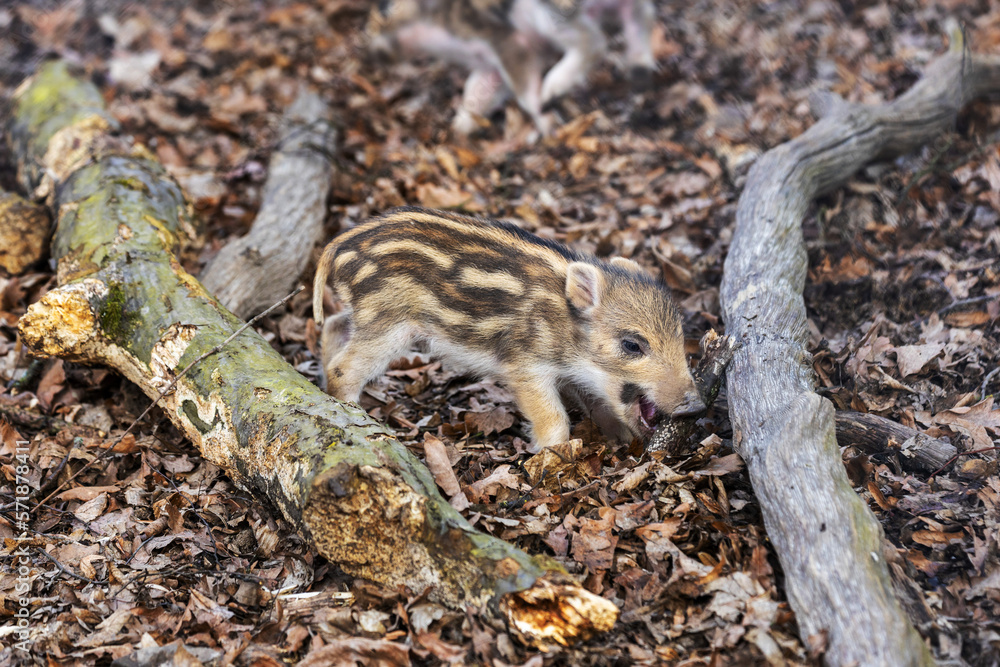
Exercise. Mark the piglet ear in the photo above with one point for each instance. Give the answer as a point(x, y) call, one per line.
point(626, 264)
point(584, 285)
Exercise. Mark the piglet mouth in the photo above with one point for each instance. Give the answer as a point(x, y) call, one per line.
point(647, 413)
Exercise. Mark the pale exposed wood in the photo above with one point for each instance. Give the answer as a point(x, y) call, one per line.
point(24, 230)
point(828, 542)
point(339, 477)
point(252, 272)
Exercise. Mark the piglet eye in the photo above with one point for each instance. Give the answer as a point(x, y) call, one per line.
point(631, 347)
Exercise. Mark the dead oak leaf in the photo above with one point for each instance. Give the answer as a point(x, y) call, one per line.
point(441, 649)
point(52, 382)
point(92, 509)
point(594, 543)
point(487, 487)
point(974, 420)
point(358, 650)
point(440, 466)
point(86, 493)
point(436, 196)
point(633, 478)
point(720, 466)
point(936, 538)
point(847, 269)
point(656, 532)
point(489, 421)
point(912, 358)
point(630, 516)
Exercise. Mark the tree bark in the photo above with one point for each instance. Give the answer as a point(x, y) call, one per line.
point(337, 475)
point(827, 540)
point(253, 272)
point(877, 435)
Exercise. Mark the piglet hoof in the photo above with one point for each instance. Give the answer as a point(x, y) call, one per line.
point(465, 123)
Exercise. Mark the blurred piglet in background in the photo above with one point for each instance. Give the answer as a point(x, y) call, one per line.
point(505, 44)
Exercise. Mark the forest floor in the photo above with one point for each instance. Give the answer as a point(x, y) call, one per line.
point(903, 295)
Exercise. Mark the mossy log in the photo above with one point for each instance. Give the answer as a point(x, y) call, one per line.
point(338, 476)
point(827, 540)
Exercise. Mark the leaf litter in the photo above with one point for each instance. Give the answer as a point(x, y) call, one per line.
point(155, 553)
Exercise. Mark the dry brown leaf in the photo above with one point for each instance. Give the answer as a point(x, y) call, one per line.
point(969, 318)
point(440, 466)
point(441, 649)
point(453, 197)
point(489, 421)
point(936, 538)
point(912, 358)
point(447, 161)
point(632, 478)
point(974, 420)
point(594, 543)
point(92, 509)
point(86, 493)
point(653, 532)
point(358, 650)
point(52, 382)
point(722, 465)
point(501, 477)
point(554, 462)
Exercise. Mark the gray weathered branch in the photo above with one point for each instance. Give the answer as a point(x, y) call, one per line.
point(252, 272)
point(877, 435)
point(828, 542)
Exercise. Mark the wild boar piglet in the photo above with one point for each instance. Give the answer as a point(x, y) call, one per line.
point(494, 300)
point(504, 44)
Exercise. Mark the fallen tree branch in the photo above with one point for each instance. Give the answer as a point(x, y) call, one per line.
point(163, 392)
point(828, 542)
point(877, 435)
point(339, 477)
point(252, 272)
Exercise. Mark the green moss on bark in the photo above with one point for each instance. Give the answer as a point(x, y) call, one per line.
point(118, 322)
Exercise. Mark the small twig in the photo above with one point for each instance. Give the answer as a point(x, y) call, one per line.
point(989, 376)
point(170, 387)
point(958, 305)
point(31, 373)
point(960, 454)
point(68, 571)
point(54, 475)
point(139, 548)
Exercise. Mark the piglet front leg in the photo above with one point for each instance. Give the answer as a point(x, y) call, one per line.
point(484, 93)
point(638, 18)
point(538, 399)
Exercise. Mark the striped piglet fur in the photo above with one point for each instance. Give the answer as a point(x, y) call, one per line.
point(494, 300)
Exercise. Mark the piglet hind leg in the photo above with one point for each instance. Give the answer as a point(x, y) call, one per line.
point(584, 43)
point(484, 92)
point(638, 17)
